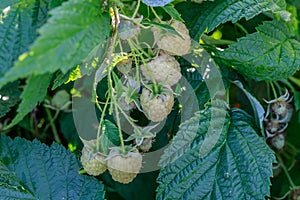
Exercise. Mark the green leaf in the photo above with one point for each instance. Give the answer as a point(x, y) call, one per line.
point(208, 15)
point(109, 137)
point(11, 187)
point(173, 12)
point(188, 131)
point(14, 41)
point(9, 96)
point(49, 172)
point(18, 29)
point(34, 93)
point(238, 167)
point(257, 108)
point(165, 27)
point(268, 54)
point(155, 3)
point(72, 32)
point(5, 3)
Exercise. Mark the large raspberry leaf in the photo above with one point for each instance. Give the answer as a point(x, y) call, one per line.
point(71, 33)
point(208, 15)
point(11, 187)
point(271, 53)
point(187, 132)
point(46, 172)
point(239, 165)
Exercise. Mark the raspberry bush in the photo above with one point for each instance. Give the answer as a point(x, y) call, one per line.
point(148, 99)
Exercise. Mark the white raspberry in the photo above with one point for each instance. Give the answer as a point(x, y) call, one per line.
point(93, 163)
point(164, 69)
point(173, 44)
point(156, 108)
point(124, 168)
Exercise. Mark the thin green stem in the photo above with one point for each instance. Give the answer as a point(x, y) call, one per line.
point(114, 102)
point(53, 127)
point(295, 80)
point(126, 116)
point(286, 171)
point(136, 9)
point(135, 21)
point(227, 96)
point(120, 46)
point(242, 28)
point(135, 46)
point(293, 149)
point(156, 15)
point(101, 121)
point(212, 41)
point(119, 127)
point(136, 50)
point(268, 90)
point(53, 119)
point(273, 89)
point(278, 87)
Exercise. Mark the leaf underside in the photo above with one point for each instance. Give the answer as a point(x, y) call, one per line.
point(47, 172)
point(239, 166)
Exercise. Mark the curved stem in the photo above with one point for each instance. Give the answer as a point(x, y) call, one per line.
point(242, 28)
point(156, 15)
point(53, 127)
point(273, 89)
point(52, 120)
point(268, 90)
point(295, 80)
point(286, 171)
point(101, 120)
point(135, 49)
point(126, 116)
point(119, 126)
point(212, 41)
point(136, 9)
point(227, 96)
point(278, 87)
point(283, 197)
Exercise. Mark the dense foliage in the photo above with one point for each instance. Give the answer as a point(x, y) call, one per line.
point(148, 99)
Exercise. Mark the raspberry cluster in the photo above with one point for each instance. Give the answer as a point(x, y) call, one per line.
point(146, 84)
point(123, 166)
point(279, 113)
